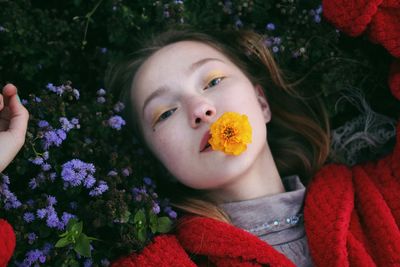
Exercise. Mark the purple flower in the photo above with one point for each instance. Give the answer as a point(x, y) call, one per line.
point(37, 161)
point(41, 213)
point(277, 40)
point(37, 99)
point(155, 208)
point(270, 26)
point(53, 176)
point(147, 181)
point(34, 256)
point(89, 182)
point(30, 202)
point(172, 214)
point(119, 106)
point(51, 138)
point(47, 247)
point(9, 199)
point(101, 92)
point(319, 9)
point(51, 87)
point(43, 123)
point(6, 179)
point(52, 220)
point(2, 29)
point(275, 49)
point(116, 122)
point(75, 121)
point(29, 217)
point(46, 167)
point(61, 133)
point(33, 184)
point(66, 125)
point(112, 173)
point(101, 100)
point(66, 217)
point(98, 190)
point(103, 50)
point(317, 18)
point(125, 172)
point(76, 94)
point(75, 171)
point(238, 23)
point(88, 263)
point(45, 155)
point(31, 238)
point(51, 200)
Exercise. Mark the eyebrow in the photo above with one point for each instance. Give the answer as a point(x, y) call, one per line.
point(201, 62)
point(164, 89)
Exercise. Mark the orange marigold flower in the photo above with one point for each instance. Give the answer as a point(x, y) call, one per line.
point(230, 133)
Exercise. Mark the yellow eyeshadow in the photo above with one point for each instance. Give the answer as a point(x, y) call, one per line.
point(156, 114)
point(212, 75)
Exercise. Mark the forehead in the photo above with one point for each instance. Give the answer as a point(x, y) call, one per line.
point(175, 58)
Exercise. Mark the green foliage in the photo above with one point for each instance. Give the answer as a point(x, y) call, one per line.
point(74, 236)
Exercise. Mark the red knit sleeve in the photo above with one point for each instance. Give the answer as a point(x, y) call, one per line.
point(164, 251)
point(7, 242)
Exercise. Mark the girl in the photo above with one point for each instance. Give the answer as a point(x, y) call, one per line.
point(245, 206)
point(248, 209)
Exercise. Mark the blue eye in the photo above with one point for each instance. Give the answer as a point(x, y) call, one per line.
point(214, 82)
point(166, 115)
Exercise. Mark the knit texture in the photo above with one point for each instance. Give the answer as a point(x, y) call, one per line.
point(165, 251)
point(380, 20)
point(7, 242)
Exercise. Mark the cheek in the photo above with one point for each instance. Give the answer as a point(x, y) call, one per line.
point(169, 147)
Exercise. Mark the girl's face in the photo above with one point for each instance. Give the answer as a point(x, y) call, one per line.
point(178, 93)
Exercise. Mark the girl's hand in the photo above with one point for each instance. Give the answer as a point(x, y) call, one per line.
point(13, 124)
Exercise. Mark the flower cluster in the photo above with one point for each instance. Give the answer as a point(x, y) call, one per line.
point(70, 182)
point(6, 196)
point(231, 133)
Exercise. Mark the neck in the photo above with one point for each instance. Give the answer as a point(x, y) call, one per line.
point(260, 179)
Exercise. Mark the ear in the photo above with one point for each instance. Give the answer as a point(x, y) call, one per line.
point(262, 100)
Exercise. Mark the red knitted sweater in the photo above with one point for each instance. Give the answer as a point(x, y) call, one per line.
point(351, 216)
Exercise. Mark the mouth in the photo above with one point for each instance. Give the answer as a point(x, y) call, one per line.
point(204, 145)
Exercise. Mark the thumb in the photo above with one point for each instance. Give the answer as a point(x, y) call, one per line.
point(18, 113)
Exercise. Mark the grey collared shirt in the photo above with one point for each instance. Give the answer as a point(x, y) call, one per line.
point(275, 219)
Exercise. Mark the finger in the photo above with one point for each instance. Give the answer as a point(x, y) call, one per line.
point(8, 91)
point(19, 115)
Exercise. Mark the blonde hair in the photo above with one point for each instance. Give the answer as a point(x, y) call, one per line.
point(298, 133)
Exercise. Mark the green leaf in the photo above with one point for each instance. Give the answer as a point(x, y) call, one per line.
point(82, 245)
point(62, 242)
point(153, 222)
point(71, 223)
point(140, 218)
point(164, 225)
point(76, 229)
point(142, 234)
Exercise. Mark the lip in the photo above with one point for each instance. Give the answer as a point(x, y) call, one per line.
point(204, 141)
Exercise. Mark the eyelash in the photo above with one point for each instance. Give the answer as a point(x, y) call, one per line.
point(168, 113)
point(219, 79)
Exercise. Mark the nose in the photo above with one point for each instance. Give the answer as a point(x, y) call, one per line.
point(201, 111)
